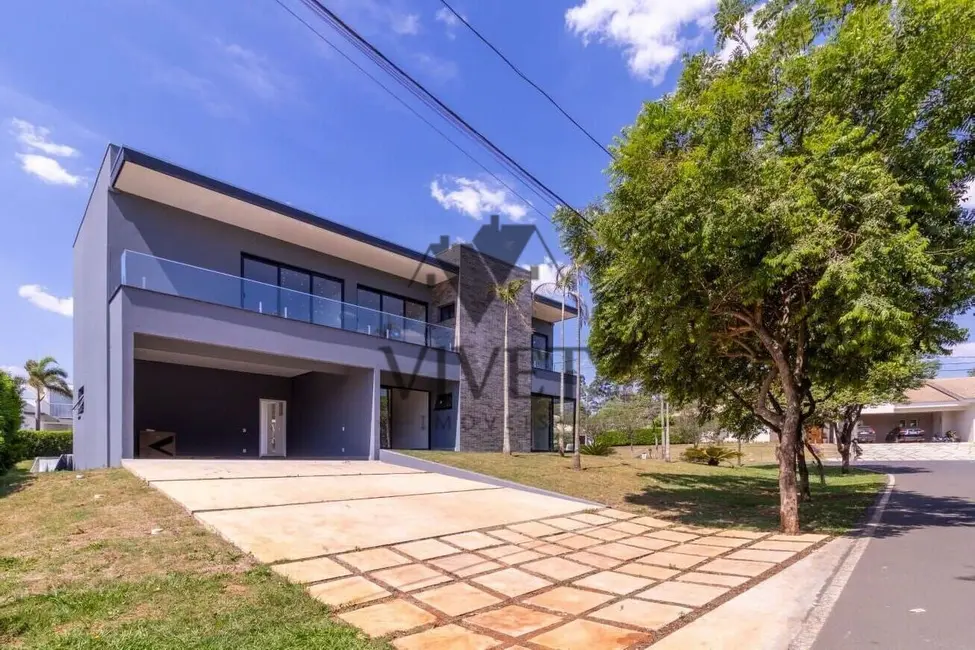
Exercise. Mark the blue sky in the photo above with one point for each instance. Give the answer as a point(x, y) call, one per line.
point(243, 92)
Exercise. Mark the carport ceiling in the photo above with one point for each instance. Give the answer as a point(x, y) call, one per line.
point(190, 353)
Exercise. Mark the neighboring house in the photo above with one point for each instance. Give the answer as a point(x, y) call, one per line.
point(940, 405)
point(55, 412)
point(213, 322)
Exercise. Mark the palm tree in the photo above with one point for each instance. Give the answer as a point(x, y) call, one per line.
point(507, 293)
point(45, 376)
point(565, 281)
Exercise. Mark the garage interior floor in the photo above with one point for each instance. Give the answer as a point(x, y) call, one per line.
point(433, 561)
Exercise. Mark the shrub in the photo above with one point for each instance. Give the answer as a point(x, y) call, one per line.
point(10, 411)
point(711, 455)
point(30, 444)
point(645, 437)
point(598, 447)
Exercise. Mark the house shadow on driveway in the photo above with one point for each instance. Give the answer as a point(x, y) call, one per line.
point(749, 497)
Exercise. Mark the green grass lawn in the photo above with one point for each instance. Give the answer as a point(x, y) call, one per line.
point(684, 492)
point(80, 568)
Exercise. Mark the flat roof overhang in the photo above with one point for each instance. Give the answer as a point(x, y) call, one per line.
point(918, 407)
point(139, 174)
point(550, 310)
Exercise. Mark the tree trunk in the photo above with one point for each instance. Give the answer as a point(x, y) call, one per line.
point(804, 493)
point(506, 439)
point(37, 409)
point(788, 495)
point(562, 383)
point(576, 451)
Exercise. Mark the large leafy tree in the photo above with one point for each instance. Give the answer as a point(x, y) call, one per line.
point(45, 376)
point(789, 218)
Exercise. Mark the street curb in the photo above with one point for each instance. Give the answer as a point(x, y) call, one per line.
point(827, 597)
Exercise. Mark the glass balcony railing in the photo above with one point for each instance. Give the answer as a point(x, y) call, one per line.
point(554, 359)
point(178, 279)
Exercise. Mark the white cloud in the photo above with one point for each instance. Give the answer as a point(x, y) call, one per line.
point(255, 73)
point(966, 349)
point(39, 297)
point(648, 31)
point(36, 137)
point(14, 371)
point(750, 36)
point(441, 70)
point(47, 169)
point(476, 198)
point(447, 17)
point(968, 199)
point(405, 24)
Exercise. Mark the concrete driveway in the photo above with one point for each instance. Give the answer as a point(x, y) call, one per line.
point(435, 561)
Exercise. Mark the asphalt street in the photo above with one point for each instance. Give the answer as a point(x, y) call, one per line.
point(914, 587)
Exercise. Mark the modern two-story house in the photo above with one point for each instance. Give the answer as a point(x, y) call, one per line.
point(212, 322)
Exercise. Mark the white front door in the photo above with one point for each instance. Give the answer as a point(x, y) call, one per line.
point(274, 430)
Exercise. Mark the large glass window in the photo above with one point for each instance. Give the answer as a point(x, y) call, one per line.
point(273, 288)
point(296, 299)
point(395, 317)
point(326, 308)
point(541, 423)
point(415, 328)
point(259, 292)
point(370, 306)
point(540, 354)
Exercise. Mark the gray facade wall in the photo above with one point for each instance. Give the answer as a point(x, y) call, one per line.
point(212, 412)
point(546, 382)
point(144, 226)
point(481, 336)
point(90, 289)
point(331, 415)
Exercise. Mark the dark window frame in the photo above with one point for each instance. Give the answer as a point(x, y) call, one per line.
point(383, 293)
point(291, 267)
point(453, 312)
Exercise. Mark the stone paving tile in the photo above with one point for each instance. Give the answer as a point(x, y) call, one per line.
point(426, 549)
point(592, 520)
point(594, 559)
point(475, 569)
point(647, 571)
point(736, 567)
point(761, 556)
point(555, 539)
point(649, 543)
point(559, 569)
point(513, 620)
point(551, 549)
point(500, 551)
point(605, 534)
point(712, 579)
point(772, 545)
point(618, 551)
point(699, 549)
point(652, 522)
point(630, 528)
point(569, 600)
point(696, 530)
point(723, 542)
point(581, 634)
point(510, 536)
point(520, 557)
point(410, 577)
point(448, 637)
point(374, 558)
point(620, 584)
point(672, 535)
point(464, 564)
point(457, 599)
point(311, 570)
point(672, 560)
point(385, 618)
point(743, 534)
point(511, 582)
point(578, 542)
point(641, 613)
point(471, 541)
point(565, 523)
point(616, 514)
point(807, 537)
point(683, 593)
point(347, 591)
point(534, 529)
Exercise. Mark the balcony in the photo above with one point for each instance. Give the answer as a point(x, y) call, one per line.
point(152, 273)
point(554, 360)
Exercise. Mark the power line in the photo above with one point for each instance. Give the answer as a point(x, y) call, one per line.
point(527, 80)
point(436, 104)
point(410, 108)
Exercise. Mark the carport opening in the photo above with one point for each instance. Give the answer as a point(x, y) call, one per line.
point(194, 401)
point(417, 412)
